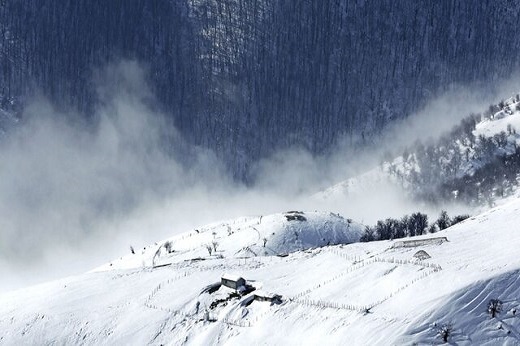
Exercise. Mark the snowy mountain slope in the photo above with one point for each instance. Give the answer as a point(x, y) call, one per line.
point(277, 234)
point(500, 120)
point(482, 147)
point(367, 293)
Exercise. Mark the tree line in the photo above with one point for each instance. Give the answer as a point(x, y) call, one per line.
point(409, 226)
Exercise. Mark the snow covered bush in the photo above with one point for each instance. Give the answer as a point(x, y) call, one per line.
point(494, 307)
point(445, 331)
point(168, 246)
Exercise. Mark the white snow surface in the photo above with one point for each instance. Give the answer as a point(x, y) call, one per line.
point(356, 294)
point(246, 237)
point(500, 121)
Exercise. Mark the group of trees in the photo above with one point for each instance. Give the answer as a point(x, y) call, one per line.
point(497, 178)
point(409, 226)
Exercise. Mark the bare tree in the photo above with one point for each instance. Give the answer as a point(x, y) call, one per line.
point(494, 307)
point(445, 331)
point(209, 248)
point(168, 246)
point(214, 244)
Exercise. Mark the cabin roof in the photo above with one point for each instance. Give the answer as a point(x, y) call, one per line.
point(418, 242)
point(232, 277)
point(265, 294)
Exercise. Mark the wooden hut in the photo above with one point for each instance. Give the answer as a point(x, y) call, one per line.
point(232, 281)
point(262, 296)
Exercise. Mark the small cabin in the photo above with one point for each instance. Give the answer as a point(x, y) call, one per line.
point(421, 255)
point(420, 242)
point(232, 281)
point(262, 296)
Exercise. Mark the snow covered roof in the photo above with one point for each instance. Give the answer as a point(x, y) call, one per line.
point(265, 294)
point(421, 254)
point(232, 277)
point(420, 242)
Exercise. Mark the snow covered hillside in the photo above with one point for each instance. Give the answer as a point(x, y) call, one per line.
point(476, 163)
point(277, 234)
point(379, 293)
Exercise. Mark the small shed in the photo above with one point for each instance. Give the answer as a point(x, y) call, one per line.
point(232, 281)
point(262, 296)
point(420, 242)
point(421, 255)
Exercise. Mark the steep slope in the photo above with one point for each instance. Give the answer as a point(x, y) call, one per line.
point(259, 75)
point(367, 293)
point(475, 163)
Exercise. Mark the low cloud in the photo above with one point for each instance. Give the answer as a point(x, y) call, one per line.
point(75, 195)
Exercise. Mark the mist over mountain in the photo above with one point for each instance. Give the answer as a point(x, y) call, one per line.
point(245, 78)
point(319, 171)
point(111, 111)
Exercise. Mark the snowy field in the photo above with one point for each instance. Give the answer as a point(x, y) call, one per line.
point(366, 293)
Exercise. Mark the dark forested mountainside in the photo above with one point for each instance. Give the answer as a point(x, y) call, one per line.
point(245, 77)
